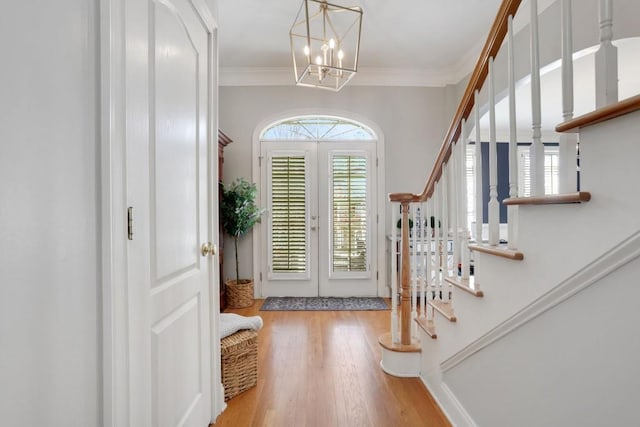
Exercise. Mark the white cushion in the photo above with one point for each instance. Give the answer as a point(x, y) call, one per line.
point(230, 323)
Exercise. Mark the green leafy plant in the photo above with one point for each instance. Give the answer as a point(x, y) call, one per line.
point(238, 211)
point(399, 223)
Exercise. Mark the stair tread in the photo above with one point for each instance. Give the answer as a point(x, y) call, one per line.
point(427, 325)
point(602, 114)
point(468, 286)
point(444, 308)
point(549, 199)
point(499, 250)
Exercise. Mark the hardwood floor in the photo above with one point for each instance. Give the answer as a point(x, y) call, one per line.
point(322, 368)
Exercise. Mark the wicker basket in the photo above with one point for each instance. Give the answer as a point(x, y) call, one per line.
point(239, 295)
point(239, 362)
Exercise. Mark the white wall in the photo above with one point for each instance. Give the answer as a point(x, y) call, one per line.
point(413, 122)
point(50, 363)
point(575, 365)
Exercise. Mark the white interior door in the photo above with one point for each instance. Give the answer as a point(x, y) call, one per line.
point(167, 132)
point(320, 229)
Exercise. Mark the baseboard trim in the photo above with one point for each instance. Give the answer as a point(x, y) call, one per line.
point(613, 259)
point(447, 401)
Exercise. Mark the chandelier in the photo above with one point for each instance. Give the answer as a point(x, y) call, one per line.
point(325, 40)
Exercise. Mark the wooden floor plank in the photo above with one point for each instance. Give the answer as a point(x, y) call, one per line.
point(322, 368)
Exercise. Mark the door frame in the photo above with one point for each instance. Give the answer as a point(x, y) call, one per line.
point(381, 197)
point(114, 302)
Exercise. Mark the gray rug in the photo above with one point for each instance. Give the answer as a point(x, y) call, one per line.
point(323, 304)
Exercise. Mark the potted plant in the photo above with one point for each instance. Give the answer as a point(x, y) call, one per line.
point(238, 214)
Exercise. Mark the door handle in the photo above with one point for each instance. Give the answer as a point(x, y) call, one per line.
point(208, 249)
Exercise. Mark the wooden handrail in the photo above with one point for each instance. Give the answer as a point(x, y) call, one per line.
point(491, 47)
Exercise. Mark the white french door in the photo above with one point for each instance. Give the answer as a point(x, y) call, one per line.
point(319, 235)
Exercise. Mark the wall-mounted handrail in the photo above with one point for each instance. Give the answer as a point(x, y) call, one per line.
point(491, 47)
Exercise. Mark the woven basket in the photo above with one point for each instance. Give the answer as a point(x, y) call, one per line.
point(239, 295)
point(239, 362)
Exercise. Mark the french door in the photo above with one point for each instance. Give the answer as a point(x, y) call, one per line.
point(319, 235)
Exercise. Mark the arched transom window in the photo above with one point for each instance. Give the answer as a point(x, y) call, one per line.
point(317, 128)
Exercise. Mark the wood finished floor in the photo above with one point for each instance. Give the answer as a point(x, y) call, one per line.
point(322, 368)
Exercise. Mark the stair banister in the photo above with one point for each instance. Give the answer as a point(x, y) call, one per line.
point(489, 51)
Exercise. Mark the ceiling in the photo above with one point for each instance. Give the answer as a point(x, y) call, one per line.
point(401, 42)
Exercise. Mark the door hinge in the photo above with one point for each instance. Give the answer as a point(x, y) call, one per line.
point(376, 162)
point(261, 276)
point(130, 223)
point(377, 219)
point(377, 275)
point(259, 161)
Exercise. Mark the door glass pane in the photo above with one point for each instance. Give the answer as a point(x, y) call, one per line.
point(349, 213)
point(288, 206)
point(317, 127)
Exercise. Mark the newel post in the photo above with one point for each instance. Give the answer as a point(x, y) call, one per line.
point(405, 300)
point(405, 268)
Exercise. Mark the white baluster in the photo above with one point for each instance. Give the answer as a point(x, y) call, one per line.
point(438, 242)
point(394, 274)
point(423, 261)
point(568, 141)
point(478, 189)
point(537, 149)
point(512, 217)
point(494, 205)
point(414, 271)
point(445, 229)
point(430, 265)
point(464, 233)
point(455, 205)
point(606, 59)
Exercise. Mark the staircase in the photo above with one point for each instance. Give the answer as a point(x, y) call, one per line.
point(527, 318)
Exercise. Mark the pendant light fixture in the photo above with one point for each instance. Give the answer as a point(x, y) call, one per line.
point(325, 40)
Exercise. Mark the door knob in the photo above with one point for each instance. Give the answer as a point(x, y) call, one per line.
point(208, 249)
point(313, 227)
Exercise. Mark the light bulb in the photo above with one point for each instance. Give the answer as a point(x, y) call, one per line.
point(307, 51)
point(340, 54)
point(332, 43)
point(318, 60)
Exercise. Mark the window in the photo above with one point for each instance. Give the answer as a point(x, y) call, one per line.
point(551, 171)
point(317, 128)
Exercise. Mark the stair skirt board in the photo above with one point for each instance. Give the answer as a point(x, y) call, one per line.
point(623, 253)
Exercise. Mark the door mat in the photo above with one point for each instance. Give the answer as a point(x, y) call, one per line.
point(323, 304)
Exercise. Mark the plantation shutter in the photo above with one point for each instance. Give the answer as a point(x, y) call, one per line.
point(470, 172)
point(349, 213)
point(288, 207)
point(524, 171)
point(551, 170)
